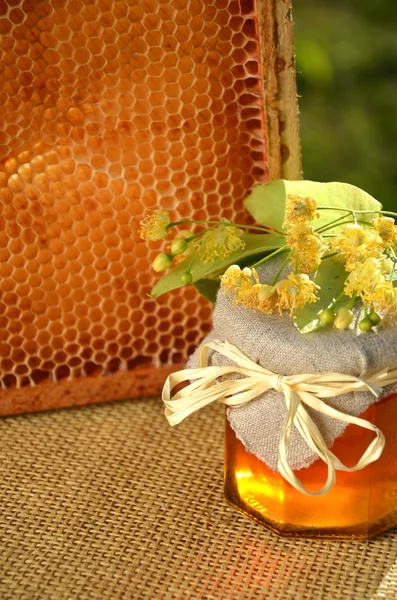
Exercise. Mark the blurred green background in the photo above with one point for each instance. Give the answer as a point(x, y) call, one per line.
point(346, 52)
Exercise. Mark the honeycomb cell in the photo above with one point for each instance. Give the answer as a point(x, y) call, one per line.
point(110, 108)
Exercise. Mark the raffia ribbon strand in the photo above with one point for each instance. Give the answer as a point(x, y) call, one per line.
point(212, 383)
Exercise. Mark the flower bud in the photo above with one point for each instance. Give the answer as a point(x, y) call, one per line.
point(246, 272)
point(374, 318)
point(343, 318)
point(186, 278)
point(365, 325)
point(162, 262)
point(327, 316)
point(179, 246)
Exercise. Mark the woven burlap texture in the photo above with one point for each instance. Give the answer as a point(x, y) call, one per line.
point(108, 502)
point(274, 342)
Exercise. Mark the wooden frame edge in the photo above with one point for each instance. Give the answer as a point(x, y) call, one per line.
point(279, 88)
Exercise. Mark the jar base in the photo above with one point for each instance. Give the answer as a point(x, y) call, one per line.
point(359, 532)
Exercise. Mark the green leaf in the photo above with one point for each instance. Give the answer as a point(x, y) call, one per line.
point(208, 288)
point(267, 202)
point(255, 244)
point(331, 278)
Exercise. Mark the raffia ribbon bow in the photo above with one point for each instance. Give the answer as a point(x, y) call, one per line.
point(212, 383)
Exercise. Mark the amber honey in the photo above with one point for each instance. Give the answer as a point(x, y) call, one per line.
point(360, 505)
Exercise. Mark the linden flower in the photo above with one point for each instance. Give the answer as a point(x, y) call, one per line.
point(234, 276)
point(384, 300)
point(300, 209)
point(307, 246)
point(220, 243)
point(364, 279)
point(258, 297)
point(387, 265)
point(266, 298)
point(238, 283)
point(154, 226)
point(386, 293)
point(356, 244)
point(295, 291)
point(387, 230)
point(246, 289)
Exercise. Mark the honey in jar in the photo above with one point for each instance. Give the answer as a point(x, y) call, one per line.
point(360, 505)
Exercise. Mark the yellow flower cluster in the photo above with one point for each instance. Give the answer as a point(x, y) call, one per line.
point(368, 282)
point(356, 245)
point(154, 226)
point(365, 261)
point(384, 300)
point(300, 209)
point(307, 246)
point(365, 278)
point(286, 295)
point(385, 228)
point(368, 254)
point(220, 242)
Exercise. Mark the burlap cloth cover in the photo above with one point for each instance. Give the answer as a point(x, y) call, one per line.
point(109, 502)
point(274, 342)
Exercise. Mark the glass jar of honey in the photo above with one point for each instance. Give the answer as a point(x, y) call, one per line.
point(360, 505)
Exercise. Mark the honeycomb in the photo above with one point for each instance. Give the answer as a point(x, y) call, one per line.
point(110, 108)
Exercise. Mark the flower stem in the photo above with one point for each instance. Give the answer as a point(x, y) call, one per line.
point(351, 210)
point(394, 268)
point(269, 256)
point(340, 222)
point(334, 208)
point(281, 269)
point(199, 234)
point(261, 228)
point(388, 212)
point(351, 303)
point(331, 224)
point(379, 212)
point(335, 302)
point(190, 264)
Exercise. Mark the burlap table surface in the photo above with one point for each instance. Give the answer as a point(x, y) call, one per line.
point(109, 502)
